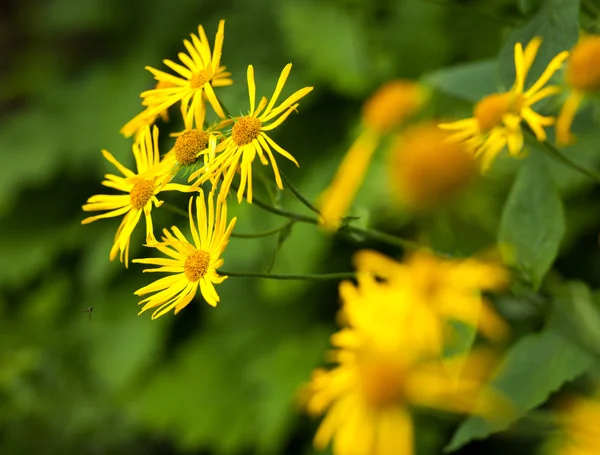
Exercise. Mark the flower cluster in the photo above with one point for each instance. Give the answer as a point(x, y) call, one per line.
point(388, 356)
point(204, 152)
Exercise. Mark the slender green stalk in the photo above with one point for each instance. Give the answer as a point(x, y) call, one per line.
point(301, 277)
point(383, 237)
point(263, 233)
point(557, 155)
point(176, 210)
point(296, 193)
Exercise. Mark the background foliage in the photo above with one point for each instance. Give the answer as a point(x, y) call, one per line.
point(224, 381)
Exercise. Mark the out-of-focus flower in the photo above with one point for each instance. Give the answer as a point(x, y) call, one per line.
point(382, 370)
point(497, 118)
point(390, 106)
point(200, 72)
point(579, 432)
point(141, 188)
point(426, 168)
point(191, 266)
point(249, 138)
point(583, 79)
point(449, 289)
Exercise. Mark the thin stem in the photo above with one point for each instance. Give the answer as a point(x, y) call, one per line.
point(296, 193)
point(557, 155)
point(175, 210)
point(383, 237)
point(301, 277)
point(263, 233)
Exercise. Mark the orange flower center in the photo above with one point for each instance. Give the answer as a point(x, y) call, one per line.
point(141, 193)
point(381, 382)
point(245, 130)
point(490, 111)
point(189, 145)
point(199, 79)
point(196, 265)
point(583, 70)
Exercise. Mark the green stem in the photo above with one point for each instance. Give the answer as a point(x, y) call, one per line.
point(308, 277)
point(263, 233)
point(383, 237)
point(557, 155)
point(175, 210)
point(296, 193)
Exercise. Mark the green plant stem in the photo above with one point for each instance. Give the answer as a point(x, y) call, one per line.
point(308, 277)
point(263, 233)
point(383, 237)
point(291, 215)
point(557, 155)
point(176, 210)
point(296, 193)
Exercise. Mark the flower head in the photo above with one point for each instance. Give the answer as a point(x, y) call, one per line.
point(426, 168)
point(194, 82)
point(141, 188)
point(583, 79)
point(249, 138)
point(497, 118)
point(381, 372)
point(192, 266)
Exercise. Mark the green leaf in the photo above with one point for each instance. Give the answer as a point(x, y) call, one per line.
point(532, 222)
point(471, 81)
point(536, 366)
point(557, 22)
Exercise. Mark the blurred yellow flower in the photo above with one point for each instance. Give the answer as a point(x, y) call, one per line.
point(192, 266)
point(583, 79)
point(497, 118)
point(385, 110)
point(449, 289)
point(136, 126)
point(200, 72)
point(426, 168)
point(248, 139)
point(382, 371)
point(578, 421)
point(142, 188)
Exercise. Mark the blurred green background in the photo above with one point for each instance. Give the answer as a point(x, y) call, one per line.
point(209, 381)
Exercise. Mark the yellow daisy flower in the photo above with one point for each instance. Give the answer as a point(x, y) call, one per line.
point(136, 126)
point(583, 79)
point(448, 289)
point(141, 188)
point(497, 118)
point(380, 374)
point(248, 138)
point(192, 266)
point(200, 72)
point(386, 109)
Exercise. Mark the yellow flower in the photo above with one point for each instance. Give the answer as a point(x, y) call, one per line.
point(192, 266)
point(580, 435)
point(426, 168)
point(449, 289)
point(136, 126)
point(200, 72)
point(385, 110)
point(497, 118)
point(248, 139)
point(142, 188)
point(583, 78)
point(381, 373)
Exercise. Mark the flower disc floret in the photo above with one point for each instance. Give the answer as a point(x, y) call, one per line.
point(189, 145)
point(141, 193)
point(490, 111)
point(196, 265)
point(245, 130)
point(583, 70)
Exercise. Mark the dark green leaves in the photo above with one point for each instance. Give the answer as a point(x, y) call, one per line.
point(536, 366)
point(532, 223)
point(471, 81)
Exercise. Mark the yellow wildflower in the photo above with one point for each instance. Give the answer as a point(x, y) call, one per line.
point(449, 289)
point(426, 168)
point(200, 72)
point(578, 421)
point(583, 78)
point(497, 118)
point(136, 126)
point(385, 110)
point(380, 374)
point(142, 188)
point(192, 266)
point(248, 139)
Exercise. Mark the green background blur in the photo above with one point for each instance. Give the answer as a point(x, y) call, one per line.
point(209, 381)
